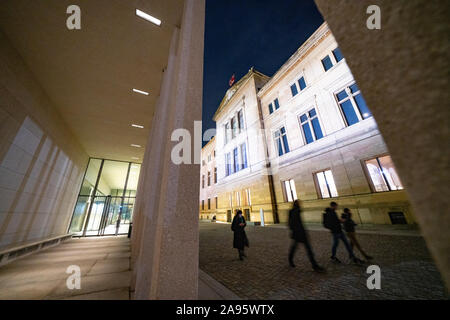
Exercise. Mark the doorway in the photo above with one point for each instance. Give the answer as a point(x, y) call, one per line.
point(106, 200)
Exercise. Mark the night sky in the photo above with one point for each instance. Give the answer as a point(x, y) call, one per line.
point(240, 34)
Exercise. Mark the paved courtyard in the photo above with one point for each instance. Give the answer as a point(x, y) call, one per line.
point(407, 270)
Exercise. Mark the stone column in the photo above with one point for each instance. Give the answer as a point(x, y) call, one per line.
point(165, 245)
point(402, 70)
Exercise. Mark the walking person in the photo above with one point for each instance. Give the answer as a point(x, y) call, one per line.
point(332, 222)
point(349, 227)
point(240, 240)
point(298, 234)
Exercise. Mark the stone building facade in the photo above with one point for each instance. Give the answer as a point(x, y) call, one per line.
point(307, 134)
point(208, 181)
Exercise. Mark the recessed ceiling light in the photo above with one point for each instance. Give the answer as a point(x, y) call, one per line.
point(141, 92)
point(135, 145)
point(137, 126)
point(148, 17)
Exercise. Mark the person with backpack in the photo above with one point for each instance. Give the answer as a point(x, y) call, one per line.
point(298, 234)
point(349, 227)
point(332, 222)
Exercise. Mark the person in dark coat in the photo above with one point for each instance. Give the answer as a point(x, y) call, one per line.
point(298, 234)
point(337, 234)
point(240, 240)
point(349, 227)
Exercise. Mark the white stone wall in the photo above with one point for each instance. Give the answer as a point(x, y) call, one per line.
point(41, 163)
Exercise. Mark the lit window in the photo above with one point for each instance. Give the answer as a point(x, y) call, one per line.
point(235, 160)
point(227, 130)
point(238, 198)
point(277, 104)
point(281, 141)
point(383, 174)
point(241, 120)
point(326, 184)
point(243, 156)
point(294, 90)
point(311, 126)
point(353, 105)
point(302, 83)
point(338, 54)
point(326, 62)
point(289, 190)
point(233, 128)
point(249, 199)
point(228, 164)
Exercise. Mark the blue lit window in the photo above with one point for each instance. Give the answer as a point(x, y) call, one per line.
point(294, 90)
point(338, 54)
point(311, 126)
point(281, 141)
point(243, 156)
point(353, 105)
point(326, 62)
point(302, 83)
point(235, 160)
point(277, 105)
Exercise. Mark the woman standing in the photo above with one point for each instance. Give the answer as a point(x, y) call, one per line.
point(240, 238)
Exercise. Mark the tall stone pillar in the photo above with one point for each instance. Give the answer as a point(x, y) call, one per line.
point(165, 241)
point(402, 70)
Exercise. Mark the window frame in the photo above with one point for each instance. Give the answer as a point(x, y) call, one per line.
point(275, 141)
point(310, 124)
point(285, 191)
point(369, 177)
point(317, 184)
point(350, 97)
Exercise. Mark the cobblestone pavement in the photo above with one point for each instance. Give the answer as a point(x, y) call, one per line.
point(407, 270)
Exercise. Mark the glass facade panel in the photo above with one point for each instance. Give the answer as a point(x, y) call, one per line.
point(106, 200)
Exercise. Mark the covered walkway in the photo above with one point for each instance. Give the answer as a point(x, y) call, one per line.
point(104, 264)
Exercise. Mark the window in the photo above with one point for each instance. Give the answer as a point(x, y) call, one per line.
point(243, 156)
point(294, 90)
point(302, 83)
point(209, 204)
point(353, 105)
point(209, 178)
point(203, 181)
point(289, 190)
point(228, 164)
point(338, 54)
point(238, 198)
point(277, 104)
point(235, 160)
point(327, 64)
point(274, 103)
point(383, 174)
point(311, 126)
point(249, 198)
point(215, 175)
point(227, 132)
point(233, 127)
point(241, 120)
point(203, 204)
point(281, 141)
point(325, 183)
point(216, 202)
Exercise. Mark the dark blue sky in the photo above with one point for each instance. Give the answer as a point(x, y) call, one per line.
point(240, 34)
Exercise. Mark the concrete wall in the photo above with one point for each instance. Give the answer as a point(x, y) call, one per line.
point(41, 163)
point(404, 65)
